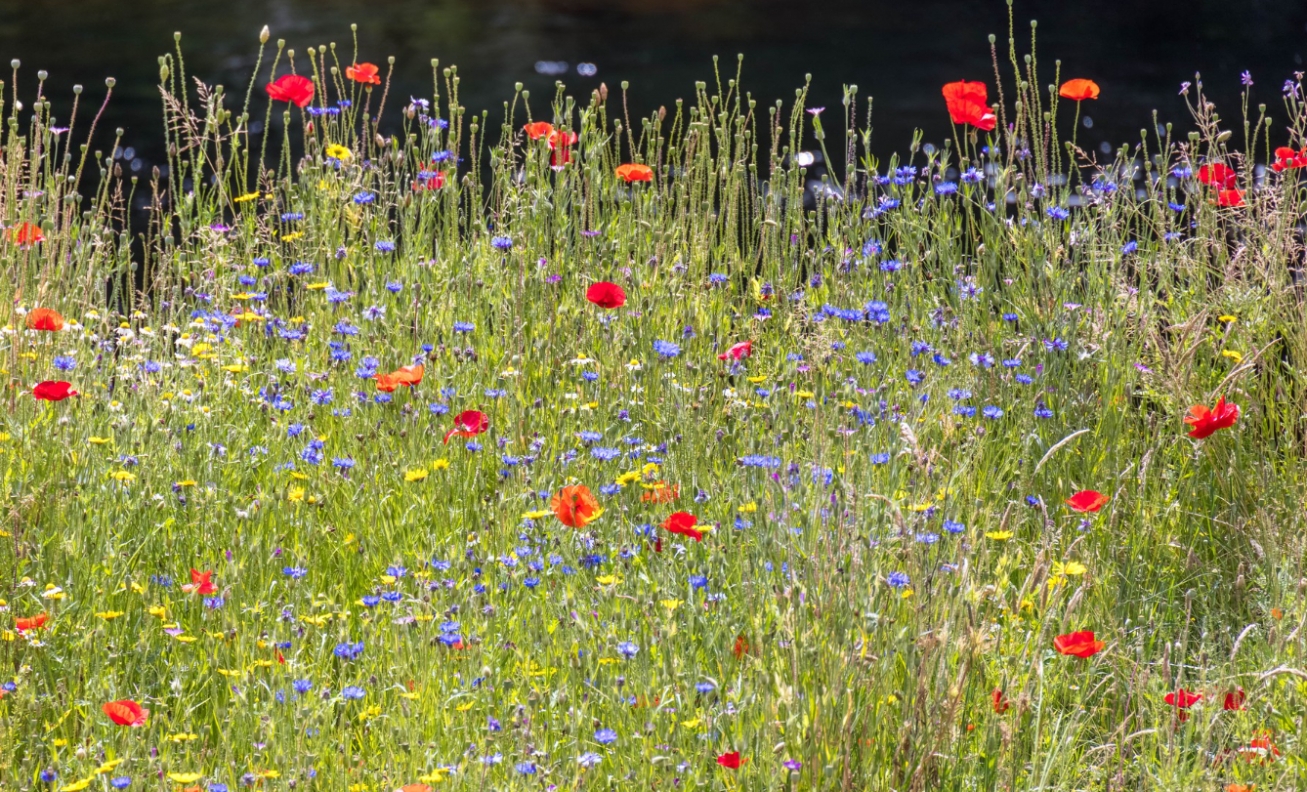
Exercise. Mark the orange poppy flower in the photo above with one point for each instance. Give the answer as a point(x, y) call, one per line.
point(662, 492)
point(1078, 644)
point(634, 173)
point(575, 506)
point(1205, 422)
point(31, 622)
point(414, 788)
point(201, 583)
point(126, 713)
point(1078, 90)
point(363, 73)
point(26, 234)
point(1261, 747)
point(1087, 501)
point(405, 375)
point(44, 319)
point(682, 524)
point(53, 391)
point(468, 423)
point(968, 103)
point(539, 129)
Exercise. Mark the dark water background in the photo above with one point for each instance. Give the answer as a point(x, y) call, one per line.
point(898, 51)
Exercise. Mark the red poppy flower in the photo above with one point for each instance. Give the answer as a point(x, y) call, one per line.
point(968, 103)
point(31, 622)
point(1087, 501)
point(363, 73)
point(1217, 174)
point(44, 319)
point(539, 129)
point(1078, 644)
point(1183, 699)
point(739, 351)
point(731, 760)
point(575, 506)
point(683, 523)
point(201, 583)
point(560, 147)
point(1288, 159)
point(1001, 704)
point(405, 375)
point(606, 295)
point(1261, 747)
point(741, 647)
point(291, 88)
point(634, 173)
point(1229, 198)
point(434, 181)
point(26, 234)
point(1234, 700)
point(53, 391)
point(126, 713)
point(1205, 422)
point(1078, 90)
point(468, 423)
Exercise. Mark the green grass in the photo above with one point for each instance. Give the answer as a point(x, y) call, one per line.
point(798, 648)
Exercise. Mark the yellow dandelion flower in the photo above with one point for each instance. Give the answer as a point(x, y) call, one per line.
point(416, 474)
point(246, 197)
point(99, 440)
point(1237, 357)
point(339, 152)
point(999, 536)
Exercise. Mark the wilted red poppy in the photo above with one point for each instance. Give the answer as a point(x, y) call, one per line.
point(1205, 422)
point(1229, 198)
point(468, 423)
point(575, 506)
point(1182, 700)
point(126, 713)
point(634, 173)
point(201, 583)
point(53, 391)
point(1234, 700)
point(1217, 174)
point(363, 73)
point(683, 523)
point(741, 647)
point(31, 622)
point(1087, 501)
point(1078, 644)
point(1000, 704)
point(44, 319)
point(1288, 159)
point(1078, 90)
point(968, 103)
point(738, 351)
point(405, 375)
point(26, 234)
point(539, 129)
point(291, 88)
point(606, 295)
point(731, 760)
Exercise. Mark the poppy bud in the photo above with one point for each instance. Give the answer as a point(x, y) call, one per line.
point(264, 34)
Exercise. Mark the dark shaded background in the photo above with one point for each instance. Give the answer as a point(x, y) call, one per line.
point(898, 52)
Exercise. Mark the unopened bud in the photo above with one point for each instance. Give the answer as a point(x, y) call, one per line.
point(264, 35)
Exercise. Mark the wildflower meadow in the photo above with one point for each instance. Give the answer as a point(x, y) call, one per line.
point(408, 446)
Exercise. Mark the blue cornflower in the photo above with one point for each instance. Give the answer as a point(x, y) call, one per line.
point(384, 246)
point(914, 377)
point(992, 412)
point(628, 649)
point(365, 198)
point(865, 358)
point(464, 327)
point(65, 362)
point(1042, 411)
point(760, 461)
point(605, 736)
point(1057, 213)
point(605, 454)
point(946, 188)
point(954, 527)
point(898, 579)
point(501, 243)
point(353, 693)
point(879, 459)
point(666, 349)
